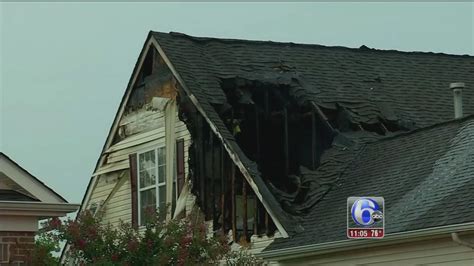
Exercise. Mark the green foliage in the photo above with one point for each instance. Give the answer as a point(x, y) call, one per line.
point(176, 242)
point(45, 245)
point(241, 257)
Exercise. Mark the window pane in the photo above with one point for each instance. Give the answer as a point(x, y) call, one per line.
point(147, 177)
point(147, 204)
point(161, 174)
point(142, 175)
point(162, 200)
point(161, 156)
point(150, 157)
point(147, 174)
point(141, 160)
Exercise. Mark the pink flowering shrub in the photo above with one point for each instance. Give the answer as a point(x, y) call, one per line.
point(177, 242)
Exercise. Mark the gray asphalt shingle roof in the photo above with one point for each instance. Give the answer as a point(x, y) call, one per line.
point(426, 178)
point(369, 83)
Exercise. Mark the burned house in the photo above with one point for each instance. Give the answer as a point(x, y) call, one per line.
point(269, 139)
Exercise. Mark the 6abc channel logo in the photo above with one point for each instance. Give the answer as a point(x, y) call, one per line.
point(365, 217)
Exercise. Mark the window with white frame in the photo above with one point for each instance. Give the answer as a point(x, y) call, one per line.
point(152, 184)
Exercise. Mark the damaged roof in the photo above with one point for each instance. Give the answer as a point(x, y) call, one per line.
point(420, 174)
point(410, 89)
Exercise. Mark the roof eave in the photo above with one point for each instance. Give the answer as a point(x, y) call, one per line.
point(39, 209)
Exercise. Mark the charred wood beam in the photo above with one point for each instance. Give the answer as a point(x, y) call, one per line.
point(257, 132)
point(277, 113)
point(384, 127)
point(283, 100)
point(267, 228)
point(285, 141)
point(212, 175)
point(266, 99)
point(234, 225)
point(255, 215)
point(322, 116)
point(223, 190)
point(313, 140)
point(244, 208)
point(200, 160)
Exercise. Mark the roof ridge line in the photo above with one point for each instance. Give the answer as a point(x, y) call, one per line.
point(362, 48)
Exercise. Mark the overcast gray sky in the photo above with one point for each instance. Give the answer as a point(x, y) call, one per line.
point(64, 66)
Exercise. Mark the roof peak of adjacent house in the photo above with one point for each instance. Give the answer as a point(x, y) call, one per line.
point(33, 177)
point(362, 48)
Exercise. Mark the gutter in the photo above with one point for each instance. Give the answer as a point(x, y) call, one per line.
point(348, 244)
point(9, 207)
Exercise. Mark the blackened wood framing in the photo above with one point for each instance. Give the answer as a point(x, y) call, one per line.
point(257, 133)
point(244, 208)
point(267, 228)
point(285, 141)
point(200, 160)
point(180, 164)
point(313, 140)
point(255, 216)
point(212, 178)
point(234, 225)
point(132, 158)
point(223, 190)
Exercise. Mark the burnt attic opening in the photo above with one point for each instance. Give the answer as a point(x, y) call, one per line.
point(273, 130)
point(222, 192)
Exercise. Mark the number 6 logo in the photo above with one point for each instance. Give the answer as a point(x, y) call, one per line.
point(362, 210)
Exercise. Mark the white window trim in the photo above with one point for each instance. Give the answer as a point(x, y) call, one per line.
point(157, 184)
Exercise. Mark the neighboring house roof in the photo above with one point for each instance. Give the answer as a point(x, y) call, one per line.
point(426, 178)
point(24, 199)
point(26, 182)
